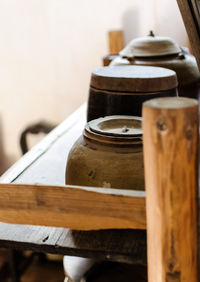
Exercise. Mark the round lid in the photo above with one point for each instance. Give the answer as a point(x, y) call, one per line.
point(133, 79)
point(118, 126)
point(150, 46)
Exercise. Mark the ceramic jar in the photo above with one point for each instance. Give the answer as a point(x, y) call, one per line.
point(121, 90)
point(109, 154)
point(163, 52)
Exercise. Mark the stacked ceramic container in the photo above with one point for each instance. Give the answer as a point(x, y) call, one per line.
point(109, 153)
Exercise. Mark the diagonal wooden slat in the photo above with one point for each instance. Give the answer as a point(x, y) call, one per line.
point(191, 25)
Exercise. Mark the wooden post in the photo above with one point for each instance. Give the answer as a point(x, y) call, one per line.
point(190, 15)
point(170, 158)
point(116, 41)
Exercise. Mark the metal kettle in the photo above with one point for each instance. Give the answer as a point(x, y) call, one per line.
point(160, 51)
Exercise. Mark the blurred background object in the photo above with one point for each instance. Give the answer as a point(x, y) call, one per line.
point(48, 50)
point(161, 51)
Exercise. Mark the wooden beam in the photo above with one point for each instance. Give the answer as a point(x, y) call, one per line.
point(78, 208)
point(170, 156)
point(190, 26)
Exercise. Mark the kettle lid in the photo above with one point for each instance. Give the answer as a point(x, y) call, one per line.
point(150, 46)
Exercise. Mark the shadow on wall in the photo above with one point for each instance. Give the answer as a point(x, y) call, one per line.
point(5, 160)
point(131, 24)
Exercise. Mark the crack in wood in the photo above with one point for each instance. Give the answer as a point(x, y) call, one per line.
point(173, 277)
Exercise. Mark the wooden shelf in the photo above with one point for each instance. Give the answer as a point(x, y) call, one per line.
point(32, 192)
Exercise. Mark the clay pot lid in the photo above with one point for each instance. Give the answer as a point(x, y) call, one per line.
point(133, 79)
point(117, 126)
point(150, 46)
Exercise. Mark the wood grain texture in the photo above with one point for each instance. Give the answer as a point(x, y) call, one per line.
point(191, 28)
point(170, 155)
point(72, 207)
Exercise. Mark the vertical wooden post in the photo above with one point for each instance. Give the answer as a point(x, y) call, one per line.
point(116, 41)
point(170, 158)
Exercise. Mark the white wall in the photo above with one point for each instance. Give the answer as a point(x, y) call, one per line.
point(48, 49)
point(169, 21)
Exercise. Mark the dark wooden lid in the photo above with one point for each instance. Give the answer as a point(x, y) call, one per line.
point(134, 79)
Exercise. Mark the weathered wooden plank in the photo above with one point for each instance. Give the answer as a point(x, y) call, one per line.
point(72, 207)
point(127, 246)
point(118, 245)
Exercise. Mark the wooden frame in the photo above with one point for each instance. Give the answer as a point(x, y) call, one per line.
point(65, 206)
point(191, 18)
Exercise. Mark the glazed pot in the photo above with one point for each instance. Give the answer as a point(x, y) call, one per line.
point(121, 90)
point(108, 154)
point(163, 52)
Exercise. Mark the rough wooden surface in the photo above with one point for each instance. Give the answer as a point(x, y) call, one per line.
point(114, 245)
point(170, 156)
point(72, 207)
point(133, 79)
point(191, 27)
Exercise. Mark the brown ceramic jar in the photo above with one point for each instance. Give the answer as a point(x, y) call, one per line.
point(122, 90)
point(108, 154)
point(163, 52)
